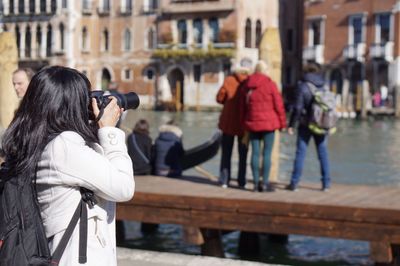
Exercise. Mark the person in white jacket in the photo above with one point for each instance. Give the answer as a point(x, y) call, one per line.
point(53, 137)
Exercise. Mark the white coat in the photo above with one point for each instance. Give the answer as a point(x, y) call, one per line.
point(67, 164)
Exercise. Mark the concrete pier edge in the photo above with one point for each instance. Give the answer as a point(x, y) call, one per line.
point(128, 257)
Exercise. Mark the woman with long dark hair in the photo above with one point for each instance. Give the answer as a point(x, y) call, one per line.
point(53, 141)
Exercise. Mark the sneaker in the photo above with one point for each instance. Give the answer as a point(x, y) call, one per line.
point(291, 187)
point(224, 186)
point(260, 187)
point(325, 189)
point(270, 188)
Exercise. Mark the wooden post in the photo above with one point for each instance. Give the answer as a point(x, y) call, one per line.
point(212, 243)
point(198, 96)
point(249, 244)
point(381, 252)
point(178, 105)
point(270, 52)
point(8, 64)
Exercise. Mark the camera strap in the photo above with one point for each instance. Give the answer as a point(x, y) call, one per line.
point(101, 109)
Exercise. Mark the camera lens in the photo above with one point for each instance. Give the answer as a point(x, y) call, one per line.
point(127, 101)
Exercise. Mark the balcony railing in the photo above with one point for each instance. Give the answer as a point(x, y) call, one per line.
point(355, 52)
point(103, 11)
point(125, 11)
point(382, 50)
point(176, 7)
point(314, 53)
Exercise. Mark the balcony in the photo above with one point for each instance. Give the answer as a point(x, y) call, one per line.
point(179, 7)
point(125, 11)
point(382, 51)
point(355, 52)
point(314, 53)
point(103, 11)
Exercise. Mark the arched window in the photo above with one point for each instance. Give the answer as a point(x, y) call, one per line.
point(28, 39)
point(21, 6)
point(11, 7)
point(127, 40)
point(42, 6)
point(53, 6)
point(151, 39)
point(18, 39)
point(214, 30)
point(49, 40)
point(198, 31)
point(105, 40)
point(258, 33)
point(62, 36)
point(31, 6)
point(247, 34)
point(182, 32)
point(84, 39)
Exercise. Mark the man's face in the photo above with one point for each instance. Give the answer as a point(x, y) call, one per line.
point(20, 81)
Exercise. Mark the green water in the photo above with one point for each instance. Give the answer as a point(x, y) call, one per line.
point(361, 152)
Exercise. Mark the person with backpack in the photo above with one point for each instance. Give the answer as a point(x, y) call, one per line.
point(69, 163)
point(316, 117)
point(261, 113)
point(139, 147)
point(228, 95)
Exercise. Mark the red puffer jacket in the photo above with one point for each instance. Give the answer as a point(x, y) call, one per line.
point(261, 105)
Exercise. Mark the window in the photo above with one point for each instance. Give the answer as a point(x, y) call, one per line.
point(126, 74)
point(64, 4)
point(106, 5)
point(105, 40)
point(258, 33)
point(86, 4)
point(62, 37)
point(383, 28)
point(43, 6)
point(1, 7)
point(182, 32)
point(197, 73)
point(48, 44)
point(127, 40)
point(214, 30)
point(21, 6)
point(151, 39)
point(84, 39)
point(315, 32)
point(247, 34)
point(38, 39)
point(11, 6)
point(198, 31)
point(18, 39)
point(149, 74)
point(53, 6)
point(28, 39)
point(356, 30)
point(128, 5)
point(31, 6)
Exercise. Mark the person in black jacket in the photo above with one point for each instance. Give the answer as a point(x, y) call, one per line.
point(301, 113)
point(139, 148)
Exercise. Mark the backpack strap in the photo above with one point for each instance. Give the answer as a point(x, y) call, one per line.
point(80, 213)
point(312, 87)
point(138, 149)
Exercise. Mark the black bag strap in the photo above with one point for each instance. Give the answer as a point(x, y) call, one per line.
point(80, 213)
point(145, 159)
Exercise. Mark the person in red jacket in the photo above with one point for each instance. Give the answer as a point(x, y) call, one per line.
point(229, 123)
point(261, 113)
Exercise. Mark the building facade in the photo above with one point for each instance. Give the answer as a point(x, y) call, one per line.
point(173, 53)
point(357, 43)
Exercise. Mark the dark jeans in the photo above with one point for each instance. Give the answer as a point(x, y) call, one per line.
point(267, 137)
point(303, 137)
point(225, 166)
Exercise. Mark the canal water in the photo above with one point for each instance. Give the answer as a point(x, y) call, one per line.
point(361, 152)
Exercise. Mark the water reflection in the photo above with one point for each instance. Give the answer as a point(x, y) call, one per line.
point(361, 152)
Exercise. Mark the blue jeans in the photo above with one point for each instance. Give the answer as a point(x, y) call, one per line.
point(225, 166)
point(255, 140)
point(303, 137)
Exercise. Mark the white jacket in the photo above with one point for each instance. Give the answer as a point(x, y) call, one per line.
point(67, 163)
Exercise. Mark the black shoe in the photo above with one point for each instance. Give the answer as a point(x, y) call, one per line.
point(291, 187)
point(270, 188)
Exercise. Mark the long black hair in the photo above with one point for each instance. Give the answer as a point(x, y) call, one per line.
point(57, 100)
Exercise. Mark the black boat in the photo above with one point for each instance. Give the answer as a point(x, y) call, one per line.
point(202, 152)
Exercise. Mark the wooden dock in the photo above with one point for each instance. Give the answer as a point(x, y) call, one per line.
point(350, 212)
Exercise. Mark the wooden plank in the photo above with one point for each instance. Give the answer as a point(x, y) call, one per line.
point(381, 252)
point(264, 223)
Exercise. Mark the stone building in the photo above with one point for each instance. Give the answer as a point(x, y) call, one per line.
point(174, 53)
point(357, 43)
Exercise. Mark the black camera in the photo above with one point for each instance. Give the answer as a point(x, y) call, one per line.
point(127, 101)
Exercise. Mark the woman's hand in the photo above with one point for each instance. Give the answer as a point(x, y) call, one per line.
point(111, 113)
